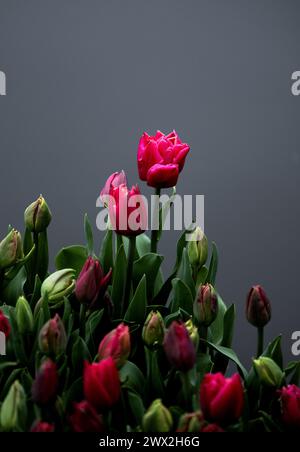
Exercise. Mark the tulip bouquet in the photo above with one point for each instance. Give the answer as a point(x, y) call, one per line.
point(106, 343)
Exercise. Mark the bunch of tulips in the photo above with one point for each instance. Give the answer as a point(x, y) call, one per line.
point(106, 343)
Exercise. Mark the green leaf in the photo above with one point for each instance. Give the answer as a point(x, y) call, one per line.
point(143, 244)
point(73, 394)
point(71, 257)
point(269, 423)
point(91, 325)
point(274, 351)
point(293, 369)
point(185, 272)
point(132, 377)
point(148, 265)
point(220, 361)
point(80, 353)
point(14, 288)
point(202, 276)
point(229, 353)
point(136, 311)
point(217, 327)
point(106, 252)
point(36, 292)
point(182, 297)
point(213, 266)
point(118, 283)
point(42, 255)
point(88, 231)
point(136, 406)
point(155, 384)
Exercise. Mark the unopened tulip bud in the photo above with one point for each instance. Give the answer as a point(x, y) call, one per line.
point(179, 347)
point(206, 305)
point(52, 337)
point(154, 329)
point(45, 385)
point(157, 418)
point(193, 332)
point(190, 422)
point(268, 371)
point(116, 345)
point(58, 285)
point(258, 307)
point(198, 248)
point(37, 216)
point(11, 249)
point(91, 282)
point(14, 408)
point(42, 427)
point(24, 316)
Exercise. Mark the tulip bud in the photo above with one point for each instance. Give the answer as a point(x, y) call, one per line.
point(45, 385)
point(52, 337)
point(157, 418)
point(198, 248)
point(258, 307)
point(206, 305)
point(190, 422)
point(42, 427)
point(59, 284)
point(290, 406)
point(11, 249)
point(24, 316)
point(91, 283)
point(86, 419)
point(13, 409)
point(179, 347)
point(154, 329)
point(37, 216)
point(212, 428)
point(193, 332)
point(4, 324)
point(116, 344)
point(101, 383)
point(268, 371)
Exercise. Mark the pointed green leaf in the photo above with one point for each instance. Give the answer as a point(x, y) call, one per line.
point(185, 272)
point(182, 297)
point(148, 265)
point(88, 231)
point(118, 282)
point(136, 311)
point(71, 257)
point(213, 266)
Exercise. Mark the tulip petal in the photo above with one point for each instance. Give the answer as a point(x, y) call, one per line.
point(163, 176)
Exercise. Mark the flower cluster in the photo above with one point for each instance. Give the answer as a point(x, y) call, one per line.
point(105, 343)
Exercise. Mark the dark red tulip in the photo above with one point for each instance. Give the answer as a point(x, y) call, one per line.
point(161, 158)
point(290, 406)
point(4, 324)
point(45, 385)
point(116, 344)
point(91, 282)
point(258, 307)
point(86, 419)
point(222, 399)
point(211, 428)
point(179, 347)
point(127, 210)
point(101, 383)
point(42, 427)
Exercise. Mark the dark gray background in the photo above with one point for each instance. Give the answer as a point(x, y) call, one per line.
point(85, 78)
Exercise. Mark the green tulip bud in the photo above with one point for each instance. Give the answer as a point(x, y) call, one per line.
point(37, 216)
point(190, 422)
point(198, 248)
point(268, 371)
point(193, 332)
point(24, 316)
point(14, 409)
point(206, 305)
point(11, 249)
point(59, 284)
point(154, 329)
point(157, 418)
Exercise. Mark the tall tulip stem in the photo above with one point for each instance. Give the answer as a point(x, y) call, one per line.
point(131, 255)
point(155, 232)
point(260, 341)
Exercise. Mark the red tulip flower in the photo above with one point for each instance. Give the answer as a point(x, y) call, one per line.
point(258, 307)
point(101, 383)
point(116, 344)
point(211, 428)
point(179, 347)
point(42, 427)
point(91, 282)
point(4, 324)
point(112, 182)
point(127, 210)
point(290, 405)
point(86, 419)
point(161, 158)
point(222, 399)
point(45, 385)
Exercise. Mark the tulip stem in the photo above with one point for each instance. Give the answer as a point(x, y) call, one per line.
point(260, 341)
point(155, 231)
point(127, 288)
point(82, 319)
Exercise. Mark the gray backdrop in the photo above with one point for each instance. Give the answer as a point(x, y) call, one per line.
point(86, 77)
